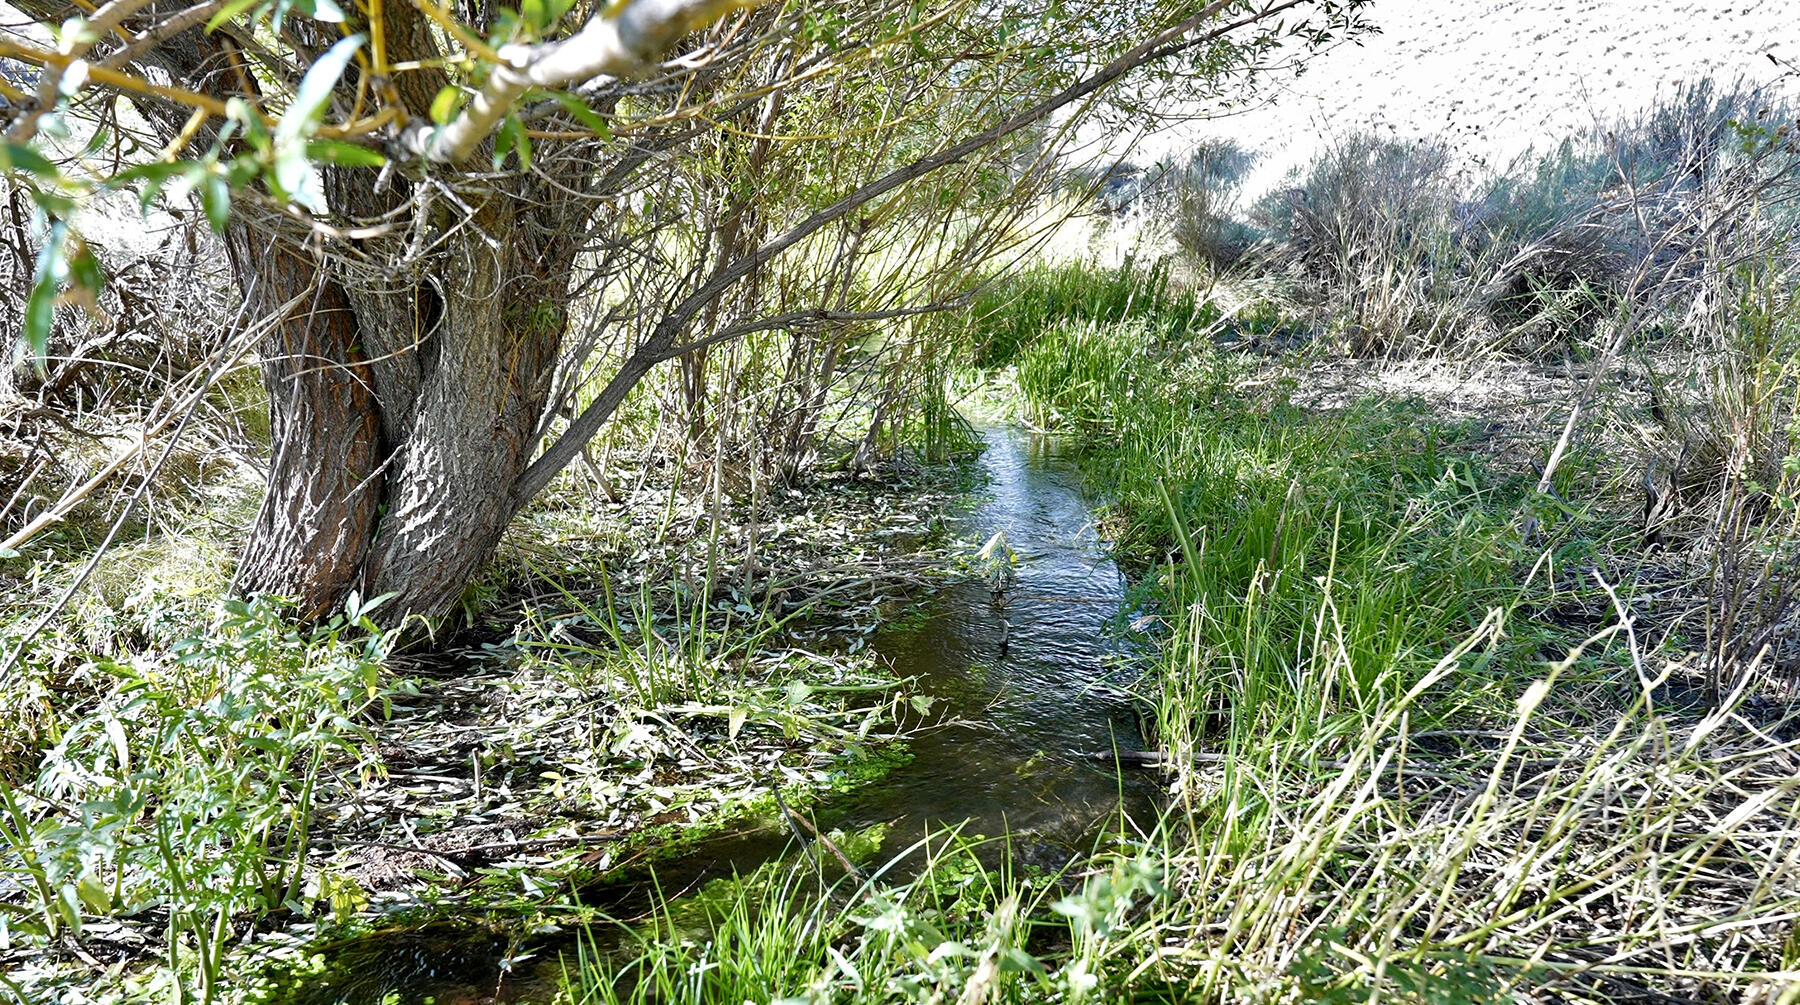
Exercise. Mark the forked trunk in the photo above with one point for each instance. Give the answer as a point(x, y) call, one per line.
point(403, 410)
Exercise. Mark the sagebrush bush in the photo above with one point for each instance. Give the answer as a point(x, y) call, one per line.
point(1368, 228)
point(1197, 203)
point(1401, 250)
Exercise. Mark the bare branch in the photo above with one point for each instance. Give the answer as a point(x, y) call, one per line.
point(798, 319)
point(161, 32)
point(625, 43)
point(68, 69)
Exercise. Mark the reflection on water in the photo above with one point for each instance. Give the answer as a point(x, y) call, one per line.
point(1025, 675)
point(1023, 706)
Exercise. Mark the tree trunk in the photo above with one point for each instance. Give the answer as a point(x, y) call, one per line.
point(404, 406)
point(313, 532)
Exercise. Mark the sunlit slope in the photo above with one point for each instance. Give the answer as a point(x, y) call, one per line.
point(1494, 76)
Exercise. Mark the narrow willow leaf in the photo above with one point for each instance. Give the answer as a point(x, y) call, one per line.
point(240, 111)
point(315, 89)
point(229, 11)
point(584, 114)
point(15, 155)
point(344, 154)
point(47, 276)
point(215, 198)
point(40, 316)
point(445, 105)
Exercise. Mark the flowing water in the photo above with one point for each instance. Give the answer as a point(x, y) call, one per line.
point(1024, 680)
point(1028, 674)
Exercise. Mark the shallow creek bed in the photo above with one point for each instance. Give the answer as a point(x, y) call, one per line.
point(544, 802)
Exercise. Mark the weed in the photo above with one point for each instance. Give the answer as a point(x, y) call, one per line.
point(189, 787)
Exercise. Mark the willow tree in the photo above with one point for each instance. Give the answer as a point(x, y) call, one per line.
point(463, 229)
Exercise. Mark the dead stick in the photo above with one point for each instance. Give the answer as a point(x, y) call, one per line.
point(843, 860)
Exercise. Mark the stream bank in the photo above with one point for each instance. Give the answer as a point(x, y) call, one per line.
point(1016, 680)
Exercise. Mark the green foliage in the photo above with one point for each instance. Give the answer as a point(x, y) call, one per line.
point(961, 929)
point(1446, 981)
point(1014, 310)
point(189, 785)
point(1266, 516)
point(1337, 587)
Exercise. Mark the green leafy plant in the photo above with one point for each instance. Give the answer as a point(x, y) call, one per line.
point(191, 785)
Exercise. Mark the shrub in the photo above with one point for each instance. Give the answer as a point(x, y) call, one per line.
point(1369, 227)
point(189, 786)
point(1197, 203)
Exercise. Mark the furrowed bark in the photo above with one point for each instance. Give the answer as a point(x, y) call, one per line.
point(319, 512)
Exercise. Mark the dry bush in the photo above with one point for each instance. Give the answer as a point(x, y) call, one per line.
point(1369, 230)
point(1392, 242)
point(1721, 486)
point(1617, 214)
point(108, 368)
point(1197, 203)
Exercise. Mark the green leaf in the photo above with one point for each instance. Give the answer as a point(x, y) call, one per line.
point(503, 144)
point(86, 276)
point(321, 10)
point(242, 170)
point(445, 106)
point(344, 154)
point(55, 205)
point(587, 116)
point(15, 155)
point(314, 92)
point(215, 198)
point(535, 13)
point(96, 143)
point(1014, 960)
point(68, 904)
point(40, 315)
point(512, 139)
point(522, 146)
point(154, 176)
point(47, 275)
point(239, 110)
point(229, 11)
point(8, 553)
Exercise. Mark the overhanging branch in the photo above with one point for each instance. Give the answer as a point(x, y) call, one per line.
point(624, 43)
point(1170, 41)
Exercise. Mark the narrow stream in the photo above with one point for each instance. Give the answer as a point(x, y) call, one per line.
point(1027, 675)
point(1023, 682)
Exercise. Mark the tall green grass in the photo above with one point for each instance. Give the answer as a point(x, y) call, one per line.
point(961, 931)
point(1251, 512)
point(1395, 780)
point(1013, 311)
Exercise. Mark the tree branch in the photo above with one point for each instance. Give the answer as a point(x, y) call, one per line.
point(621, 44)
point(117, 80)
point(795, 319)
point(585, 426)
point(159, 33)
point(71, 56)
